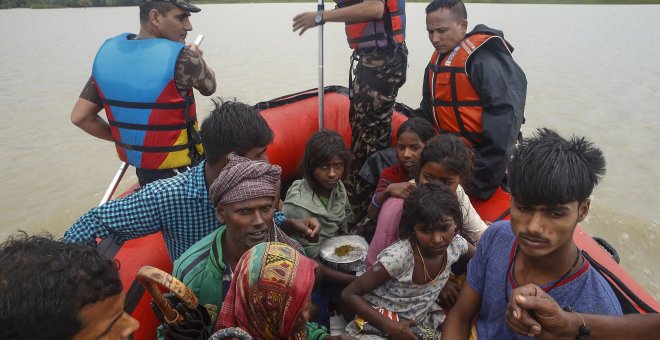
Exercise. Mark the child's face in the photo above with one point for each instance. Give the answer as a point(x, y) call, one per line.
point(329, 174)
point(433, 240)
point(543, 229)
point(436, 172)
point(408, 149)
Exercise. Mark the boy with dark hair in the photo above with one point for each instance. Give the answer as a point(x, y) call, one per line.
point(54, 290)
point(179, 207)
point(551, 180)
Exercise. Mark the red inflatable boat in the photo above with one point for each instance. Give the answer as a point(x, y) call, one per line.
point(294, 118)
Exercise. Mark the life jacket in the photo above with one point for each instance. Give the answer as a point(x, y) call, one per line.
point(152, 124)
point(388, 31)
point(457, 108)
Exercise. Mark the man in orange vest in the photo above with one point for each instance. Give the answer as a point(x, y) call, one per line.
point(375, 30)
point(473, 88)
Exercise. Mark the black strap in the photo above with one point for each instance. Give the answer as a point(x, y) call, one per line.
point(619, 284)
point(371, 37)
point(446, 69)
point(195, 262)
point(146, 127)
point(502, 215)
point(136, 105)
point(143, 148)
point(459, 103)
point(133, 296)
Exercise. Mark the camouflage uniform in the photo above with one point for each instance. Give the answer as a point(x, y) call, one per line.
point(378, 76)
point(191, 72)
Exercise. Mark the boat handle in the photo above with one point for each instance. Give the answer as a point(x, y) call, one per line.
point(151, 277)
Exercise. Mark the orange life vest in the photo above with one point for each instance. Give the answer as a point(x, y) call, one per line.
point(390, 30)
point(457, 108)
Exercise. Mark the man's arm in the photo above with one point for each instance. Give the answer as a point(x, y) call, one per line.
point(502, 87)
point(367, 10)
point(532, 312)
point(459, 320)
point(127, 218)
point(85, 113)
point(192, 72)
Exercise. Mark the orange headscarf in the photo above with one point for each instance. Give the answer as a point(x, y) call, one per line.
point(271, 284)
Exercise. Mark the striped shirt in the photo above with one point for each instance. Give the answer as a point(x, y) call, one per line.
point(178, 207)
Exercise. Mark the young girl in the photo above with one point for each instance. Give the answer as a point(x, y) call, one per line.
point(395, 180)
point(445, 159)
point(410, 273)
point(321, 193)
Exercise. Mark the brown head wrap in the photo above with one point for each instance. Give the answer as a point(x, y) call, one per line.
point(243, 179)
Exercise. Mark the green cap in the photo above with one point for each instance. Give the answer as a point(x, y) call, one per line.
point(183, 4)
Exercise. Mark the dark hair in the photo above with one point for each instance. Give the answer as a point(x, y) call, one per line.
point(547, 169)
point(233, 127)
point(161, 6)
point(45, 283)
point(451, 152)
point(456, 7)
point(419, 126)
point(320, 149)
point(429, 204)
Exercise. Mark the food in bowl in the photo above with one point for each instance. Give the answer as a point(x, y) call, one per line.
point(344, 250)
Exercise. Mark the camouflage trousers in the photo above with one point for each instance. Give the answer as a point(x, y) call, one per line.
point(378, 76)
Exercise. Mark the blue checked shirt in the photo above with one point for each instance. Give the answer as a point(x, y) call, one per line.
point(178, 207)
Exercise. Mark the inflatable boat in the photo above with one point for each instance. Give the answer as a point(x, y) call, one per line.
point(294, 118)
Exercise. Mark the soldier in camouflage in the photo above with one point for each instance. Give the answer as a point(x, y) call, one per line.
point(380, 72)
point(166, 19)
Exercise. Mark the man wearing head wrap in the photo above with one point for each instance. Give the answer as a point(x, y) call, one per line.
point(243, 195)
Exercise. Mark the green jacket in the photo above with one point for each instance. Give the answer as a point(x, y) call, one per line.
point(202, 272)
point(302, 202)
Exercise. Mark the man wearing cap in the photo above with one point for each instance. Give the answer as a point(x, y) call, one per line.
point(243, 195)
point(145, 84)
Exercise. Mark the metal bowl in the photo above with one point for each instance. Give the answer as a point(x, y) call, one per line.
point(353, 261)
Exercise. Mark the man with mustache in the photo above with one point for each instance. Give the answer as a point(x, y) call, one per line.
point(145, 84)
point(243, 195)
point(551, 180)
point(473, 87)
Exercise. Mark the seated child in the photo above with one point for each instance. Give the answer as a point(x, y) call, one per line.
point(551, 180)
point(321, 194)
point(395, 180)
point(410, 273)
point(445, 159)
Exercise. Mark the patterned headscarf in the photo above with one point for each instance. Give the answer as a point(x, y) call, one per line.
point(271, 284)
point(243, 179)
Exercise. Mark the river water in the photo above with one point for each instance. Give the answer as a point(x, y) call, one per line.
point(592, 70)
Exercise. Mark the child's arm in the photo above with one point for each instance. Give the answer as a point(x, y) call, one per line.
point(325, 273)
point(458, 322)
point(367, 282)
point(449, 293)
point(399, 190)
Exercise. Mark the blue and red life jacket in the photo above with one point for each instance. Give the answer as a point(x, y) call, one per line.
point(388, 31)
point(152, 124)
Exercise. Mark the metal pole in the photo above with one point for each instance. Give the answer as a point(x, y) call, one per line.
point(321, 6)
point(115, 182)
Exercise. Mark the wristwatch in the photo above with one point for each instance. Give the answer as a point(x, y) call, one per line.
point(318, 19)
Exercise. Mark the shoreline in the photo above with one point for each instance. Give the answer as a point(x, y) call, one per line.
point(83, 4)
